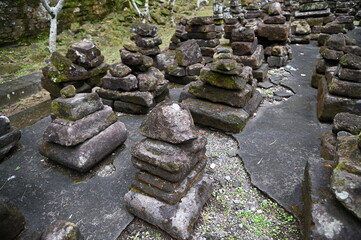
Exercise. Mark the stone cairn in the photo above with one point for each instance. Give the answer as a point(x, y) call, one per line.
point(83, 67)
point(187, 65)
point(228, 92)
point(344, 14)
point(234, 20)
point(12, 221)
point(334, 48)
point(170, 189)
point(341, 91)
point(83, 131)
point(273, 34)
point(9, 137)
point(146, 39)
point(180, 34)
point(134, 85)
point(253, 11)
point(236, 9)
point(332, 184)
point(244, 44)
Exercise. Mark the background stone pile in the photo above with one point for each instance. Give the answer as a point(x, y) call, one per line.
point(170, 190)
point(83, 67)
point(83, 131)
point(9, 137)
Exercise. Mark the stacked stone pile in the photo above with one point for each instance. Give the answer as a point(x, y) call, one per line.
point(9, 136)
point(236, 9)
point(228, 92)
point(344, 14)
point(180, 34)
point(229, 25)
point(12, 221)
point(218, 10)
point(253, 11)
point(331, 185)
point(83, 131)
point(334, 48)
point(146, 39)
point(188, 64)
point(341, 92)
point(170, 189)
point(134, 85)
point(83, 67)
point(273, 34)
point(206, 32)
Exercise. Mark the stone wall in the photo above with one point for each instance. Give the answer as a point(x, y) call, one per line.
point(20, 19)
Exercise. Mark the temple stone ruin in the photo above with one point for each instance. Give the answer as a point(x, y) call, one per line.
point(12, 221)
point(82, 132)
point(134, 85)
point(83, 67)
point(226, 95)
point(9, 137)
point(187, 65)
point(170, 189)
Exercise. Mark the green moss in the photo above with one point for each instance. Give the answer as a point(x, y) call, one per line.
point(59, 110)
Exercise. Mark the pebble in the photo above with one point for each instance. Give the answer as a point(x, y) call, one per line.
point(212, 165)
point(228, 178)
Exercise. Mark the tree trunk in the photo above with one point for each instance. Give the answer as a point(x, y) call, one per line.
point(53, 33)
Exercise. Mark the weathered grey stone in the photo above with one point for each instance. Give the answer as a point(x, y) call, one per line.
point(344, 88)
point(336, 42)
point(181, 217)
point(188, 53)
point(143, 29)
point(255, 60)
point(208, 52)
point(220, 95)
point(175, 70)
point(127, 83)
point(226, 66)
point(84, 156)
point(346, 179)
point(265, 85)
point(172, 158)
point(164, 59)
point(350, 60)
point(261, 73)
point(329, 105)
point(316, 78)
point(201, 28)
point(13, 135)
point(60, 62)
point(204, 35)
point(68, 91)
point(131, 58)
point(85, 53)
point(119, 70)
point(181, 80)
point(313, 6)
point(347, 122)
point(12, 221)
point(277, 19)
point(333, 28)
point(349, 74)
point(194, 69)
point(4, 125)
point(208, 43)
point(300, 27)
point(4, 151)
point(146, 42)
point(244, 48)
point(215, 115)
point(274, 9)
point(150, 51)
point(148, 81)
point(164, 190)
point(328, 143)
point(76, 107)
point(274, 32)
point(61, 229)
point(243, 35)
point(232, 82)
point(200, 20)
point(330, 54)
point(70, 133)
point(132, 108)
point(169, 122)
point(274, 61)
point(310, 14)
point(140, 98)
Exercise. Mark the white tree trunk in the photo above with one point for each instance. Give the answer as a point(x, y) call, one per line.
point(53, 12)
point(172, 12)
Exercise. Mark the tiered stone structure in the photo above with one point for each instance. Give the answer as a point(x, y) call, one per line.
point(146, 39)
point(134, 85)
point(83, 67)
point(206, 32)
point(341, 92)
point(188, 64)
point(180, 34)
point(83, 131)
point(344, 13)
point(228, 93)
point(273, 35)
point(170, 189)
point(253, 11)
point(334, 48)
point(236, 9)
point(9, 136)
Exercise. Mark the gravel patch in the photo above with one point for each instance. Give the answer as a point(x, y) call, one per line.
point(236, 209)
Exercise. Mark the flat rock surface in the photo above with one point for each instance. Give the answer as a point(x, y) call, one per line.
point(276, 144)
point(45, 192)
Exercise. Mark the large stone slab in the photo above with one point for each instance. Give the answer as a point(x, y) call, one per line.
point(13, 135)
point(12, 221)
point(141, 98)
point(188, 53)
point(126, 83)
point(274, 32)
point(180, 218)
point(313, 14)
point(348, 89)
point(347, 122)
point(255, 60)
point(86, 155)
point(349, 74)
point(216, 115)
point(70, 133)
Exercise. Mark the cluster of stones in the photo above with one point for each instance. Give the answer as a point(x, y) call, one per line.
point(340, 91)
point(334, 48)
point(236, 9)
point(9, 137)
point(206, 33)
point(12, 221)
point(332, 183)
point(187, 65)
point(134, 85)
point(226, 95)
point(273, 34)
point(253, 11)
point(83, 131)
point(344, 13)
point(180, 34)
point(309, 19)
point(229, 25)
point(146, 39)
point(170, 189)
point(83, 67)
point(218, 10)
